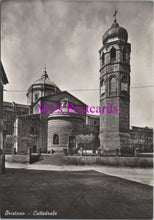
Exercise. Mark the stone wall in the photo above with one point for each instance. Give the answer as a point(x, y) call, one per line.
point(17, 158)
point(43, 135)
point(10, 111)
point(28, 158)
point(64, 128)
point(27, 133)
point(114, 133)
point(110, 161)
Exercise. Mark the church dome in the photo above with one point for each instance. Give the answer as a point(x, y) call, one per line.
point(41, 88)
point(115, 31)
point(45, 81)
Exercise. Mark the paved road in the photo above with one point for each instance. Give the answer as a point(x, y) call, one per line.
point(140, 175)
point(74, 195)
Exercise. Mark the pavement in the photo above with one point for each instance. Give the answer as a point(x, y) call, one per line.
point(140, 175)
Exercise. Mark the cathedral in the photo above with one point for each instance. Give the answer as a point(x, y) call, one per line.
point(54, 132)
point(44, 130)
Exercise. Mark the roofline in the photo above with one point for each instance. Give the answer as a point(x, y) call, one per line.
point(76, 98)
point(93, 115)
point(32, 116)
point(4, 76)
point(146, 127)
point(5, 102)
point(62, 92)
point(68, 115)
point(44, 97)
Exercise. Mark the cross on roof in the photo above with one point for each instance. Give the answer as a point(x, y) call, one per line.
point(115, 14)
point(45, 75)
point(45, 70)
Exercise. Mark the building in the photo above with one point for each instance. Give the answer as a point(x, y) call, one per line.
point(3, 81)
point(142, 138)
point(115, 89)
point(27, 133)
point(10, 112)
point(46, 124)
point(116, 137)
point(63, 128)
point(92, 123)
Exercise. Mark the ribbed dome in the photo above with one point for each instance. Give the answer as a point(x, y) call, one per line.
point(115, 31)
point(44, 80)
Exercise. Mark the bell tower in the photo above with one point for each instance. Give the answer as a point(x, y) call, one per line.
point(115, 89)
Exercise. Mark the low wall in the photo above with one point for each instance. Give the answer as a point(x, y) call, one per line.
point(17, 158)
point(86, 160)
point(110, 161)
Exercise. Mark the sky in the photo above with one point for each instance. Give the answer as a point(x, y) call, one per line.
point(66, 36)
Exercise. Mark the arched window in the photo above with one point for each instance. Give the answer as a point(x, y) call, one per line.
point(103, 58)
point(102, 87)
point(112, 53)
point(113, 86)
point(55, 139)
point(124, 84)
point(124, 54)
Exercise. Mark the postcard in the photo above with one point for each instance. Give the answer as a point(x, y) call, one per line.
point(76, 109)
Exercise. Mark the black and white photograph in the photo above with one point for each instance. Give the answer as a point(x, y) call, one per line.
point(76, 109)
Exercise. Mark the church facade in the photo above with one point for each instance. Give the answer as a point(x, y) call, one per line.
point(32, 127)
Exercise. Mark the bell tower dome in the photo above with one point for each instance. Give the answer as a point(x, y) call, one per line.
point(115, 89)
